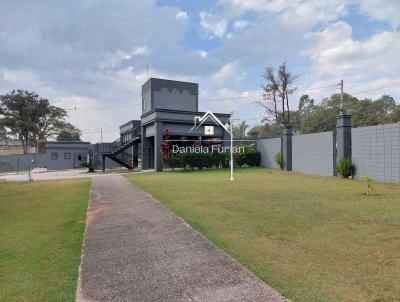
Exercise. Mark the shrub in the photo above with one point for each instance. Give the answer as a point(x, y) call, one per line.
point(279, 159)
point(239, 159)
point(196, 160)
point(253, 158)
point(345, 167)
point(174, 161)
point(91, 165)
point(369, 182)
point(249, 157)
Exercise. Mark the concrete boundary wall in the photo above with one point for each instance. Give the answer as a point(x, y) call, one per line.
point(314, 153)
point(20, 162)
point(376, 152)
point(268, 149)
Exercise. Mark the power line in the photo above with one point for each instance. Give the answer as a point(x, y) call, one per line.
point(237, 97)
point(244, 97)
point(374, 89)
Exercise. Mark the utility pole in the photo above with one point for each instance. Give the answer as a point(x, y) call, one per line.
point(101, 135)
point(341, 97)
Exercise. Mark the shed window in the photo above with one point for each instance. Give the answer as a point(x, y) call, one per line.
point(54, 155)
point(67, 155)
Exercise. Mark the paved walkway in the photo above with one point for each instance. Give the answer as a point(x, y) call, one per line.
point(135, 249)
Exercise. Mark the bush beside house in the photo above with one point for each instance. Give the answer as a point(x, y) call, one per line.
point(250, 157)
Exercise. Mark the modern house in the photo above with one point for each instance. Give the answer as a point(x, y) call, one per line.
point(166, 104)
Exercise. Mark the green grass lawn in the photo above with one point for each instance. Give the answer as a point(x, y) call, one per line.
point(311, 238)
point(41, 232)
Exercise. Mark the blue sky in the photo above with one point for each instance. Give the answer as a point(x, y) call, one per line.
point(94, 53)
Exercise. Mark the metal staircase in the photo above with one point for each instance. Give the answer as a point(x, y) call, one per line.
point(117, 151)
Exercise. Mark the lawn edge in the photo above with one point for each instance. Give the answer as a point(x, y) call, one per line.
point(78, 288)
point(254, 276)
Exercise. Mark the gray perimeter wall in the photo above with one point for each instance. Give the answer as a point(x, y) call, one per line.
point(376, 152)
point(268, 149)
point(313, 153)
point(22, 162)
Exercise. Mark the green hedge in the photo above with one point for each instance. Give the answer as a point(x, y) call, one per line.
point(250, 157)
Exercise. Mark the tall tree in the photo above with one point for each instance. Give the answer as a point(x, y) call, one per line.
point(365, 112)
point(276, 91)
point(3, 131)
point(240, 130)
point(30, 117)
point(266, 130)
point(69, 134)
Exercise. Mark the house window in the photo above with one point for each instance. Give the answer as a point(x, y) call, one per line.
point(67, 155)
point(79, 157)
point(54, 155)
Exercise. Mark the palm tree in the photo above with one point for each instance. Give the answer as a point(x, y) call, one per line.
point(240, 130)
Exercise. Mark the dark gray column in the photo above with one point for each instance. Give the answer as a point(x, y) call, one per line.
point(343, 137)
point(226, 138)
point(158, 138)
point(144, 149)
point(287, 148)
point(104, 163)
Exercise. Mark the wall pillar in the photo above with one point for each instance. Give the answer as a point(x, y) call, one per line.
point(158, 138)
point(103, 163)
point(343, 137)
point(287, 148)
point(144, 149)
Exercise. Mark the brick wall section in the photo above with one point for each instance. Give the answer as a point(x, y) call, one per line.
point(313, 153)
point(268, 149)
point(376, 152)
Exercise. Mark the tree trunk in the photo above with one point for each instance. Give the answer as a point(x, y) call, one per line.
point(287, 107)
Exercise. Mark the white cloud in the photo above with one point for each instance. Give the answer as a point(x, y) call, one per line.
point(382, 10)
point(240, 24)
point(240, 6)
point(230, 73)
point(336, 53)
point(203, 53)
point(214, 26)
point(182, 16)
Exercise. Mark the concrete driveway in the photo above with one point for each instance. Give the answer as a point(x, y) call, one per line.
point(136, 249)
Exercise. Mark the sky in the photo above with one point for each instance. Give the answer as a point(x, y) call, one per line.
point(91, 57)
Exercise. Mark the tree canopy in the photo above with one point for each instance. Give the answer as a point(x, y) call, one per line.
point(311, 118)
point(239, 131)
point(276, 90)
point(69, 134)
point(31, 118)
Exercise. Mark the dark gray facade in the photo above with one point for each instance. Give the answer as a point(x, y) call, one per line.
point(166, 104)
point(172, 105)
point(67, 155)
